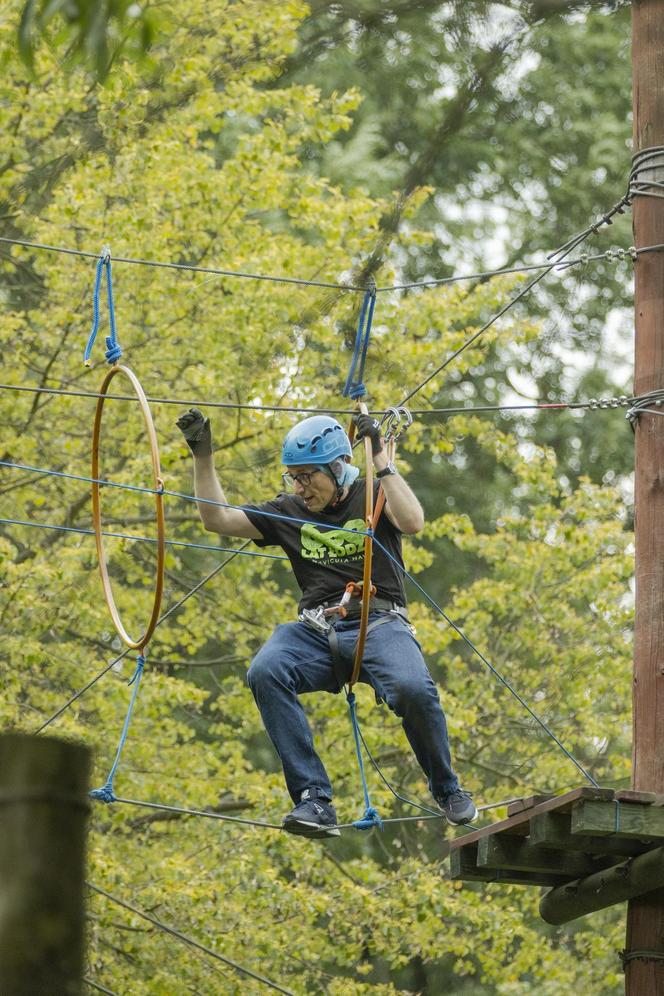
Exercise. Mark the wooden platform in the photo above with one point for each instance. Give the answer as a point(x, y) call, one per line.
point(562, 840)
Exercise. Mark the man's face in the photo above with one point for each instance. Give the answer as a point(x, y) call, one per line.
point(314, 487)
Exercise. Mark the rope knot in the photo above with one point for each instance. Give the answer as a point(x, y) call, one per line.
point(140, 664)
point(369, 820)
point(113, 350)
point(103, 794)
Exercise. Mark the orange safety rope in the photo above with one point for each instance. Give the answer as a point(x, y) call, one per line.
point(371, 515)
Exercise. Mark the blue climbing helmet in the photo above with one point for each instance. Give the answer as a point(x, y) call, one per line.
point(318, 439)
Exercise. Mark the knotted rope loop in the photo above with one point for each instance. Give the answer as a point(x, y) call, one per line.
point(113, 350)
point(354, 387)
point(106, 793)
point(371, 817)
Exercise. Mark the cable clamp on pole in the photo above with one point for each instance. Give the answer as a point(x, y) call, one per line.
point(643, 954)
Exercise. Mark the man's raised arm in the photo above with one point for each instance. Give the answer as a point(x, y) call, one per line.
point(195, 427)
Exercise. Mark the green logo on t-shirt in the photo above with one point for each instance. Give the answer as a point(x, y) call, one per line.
point(333, 543)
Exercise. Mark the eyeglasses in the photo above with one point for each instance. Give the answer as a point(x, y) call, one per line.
point(303, 479)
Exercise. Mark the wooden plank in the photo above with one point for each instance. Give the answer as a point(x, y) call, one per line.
point(519, 822)
point(629, 795)
point(519, 805)
point(463, 867)
point(518, 854)
point(634, 877)
point(554, 830)
point(629, 819)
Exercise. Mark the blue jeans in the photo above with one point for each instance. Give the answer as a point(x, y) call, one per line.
point(297, 659)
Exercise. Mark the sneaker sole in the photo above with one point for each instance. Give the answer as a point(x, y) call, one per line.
point(460, 823)
point(304, 829)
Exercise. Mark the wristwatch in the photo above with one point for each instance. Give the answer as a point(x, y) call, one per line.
point(387, 471)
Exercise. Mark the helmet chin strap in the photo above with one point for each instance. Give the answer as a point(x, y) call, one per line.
point(337, 498)
point(339, 492)
point(342, 483)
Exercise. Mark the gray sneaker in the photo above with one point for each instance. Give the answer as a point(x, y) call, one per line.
point(459, 807)
point(312, 818)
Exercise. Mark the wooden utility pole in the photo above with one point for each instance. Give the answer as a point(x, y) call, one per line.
point(644, 966)
point(43, 810)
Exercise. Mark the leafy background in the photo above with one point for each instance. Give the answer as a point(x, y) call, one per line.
point(397, 140)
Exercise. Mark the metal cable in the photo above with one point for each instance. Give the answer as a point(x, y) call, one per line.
point(99, 988)
point(124, 653)
point(330, 285)
point(592, 403)
point(189, 940)
point(457, 629)
point(561, 253)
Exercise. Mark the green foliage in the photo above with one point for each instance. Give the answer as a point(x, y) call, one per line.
point(199, 160)
point(96, 33)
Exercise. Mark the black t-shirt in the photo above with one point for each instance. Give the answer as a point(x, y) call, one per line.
point(324, 558)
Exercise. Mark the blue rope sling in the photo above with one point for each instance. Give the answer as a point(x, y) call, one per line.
point(113, 353)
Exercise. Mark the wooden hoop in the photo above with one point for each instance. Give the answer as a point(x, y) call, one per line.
point(159, 508)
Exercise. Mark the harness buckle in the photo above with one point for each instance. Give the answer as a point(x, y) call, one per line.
point(315, 619)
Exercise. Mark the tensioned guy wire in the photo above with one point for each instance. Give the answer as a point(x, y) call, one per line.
point(557, 260)
point(457, 629)
point(178, 935)
point(592, 404)
point(329, 285)
point(274, 515)
point(127, 650)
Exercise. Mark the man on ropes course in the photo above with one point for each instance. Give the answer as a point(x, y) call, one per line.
point(316, 653)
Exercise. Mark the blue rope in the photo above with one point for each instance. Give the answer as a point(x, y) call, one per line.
point(161, 491)
point(143, 539)
point(371, 817)
point(113, 350)
point(105, 793)
point(354, 386)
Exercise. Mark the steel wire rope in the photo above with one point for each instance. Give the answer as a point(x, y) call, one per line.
point(592, 403)
point(457, 629)
point(264, 825)
point(127, 650)
point(98, 988)
point(562, 252)
point(189, 940)
point(329, 285)
point(362, 532)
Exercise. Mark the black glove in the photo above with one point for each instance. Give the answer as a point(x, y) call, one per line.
point(195, 427)
point(368, 426)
